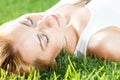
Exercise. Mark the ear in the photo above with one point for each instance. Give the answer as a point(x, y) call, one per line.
point(54, 63)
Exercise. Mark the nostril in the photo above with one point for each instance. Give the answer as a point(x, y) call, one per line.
point(48, 21)
point(49, 24)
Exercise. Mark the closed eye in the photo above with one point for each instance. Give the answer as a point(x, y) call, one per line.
point(28, 22)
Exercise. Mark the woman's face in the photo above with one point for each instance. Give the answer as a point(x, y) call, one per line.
point(37, 36)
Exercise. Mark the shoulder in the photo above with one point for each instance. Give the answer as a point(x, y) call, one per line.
point(105, 44)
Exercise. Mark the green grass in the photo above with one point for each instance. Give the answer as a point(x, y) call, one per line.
point(11, 9)
point(69, 67)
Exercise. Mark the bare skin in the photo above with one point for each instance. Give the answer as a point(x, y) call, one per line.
point(28, 37)
point(29, 32)
point(107, 47)
point(76, 23)
point(105, 44)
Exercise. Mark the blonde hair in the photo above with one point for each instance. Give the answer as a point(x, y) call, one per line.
point(11, 61)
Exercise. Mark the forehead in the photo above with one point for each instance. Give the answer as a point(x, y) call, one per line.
point(12, 29)
point(26, 42)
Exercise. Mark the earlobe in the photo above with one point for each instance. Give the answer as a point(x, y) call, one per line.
point(54, 63)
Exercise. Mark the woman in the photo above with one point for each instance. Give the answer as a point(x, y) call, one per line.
point(36, 39)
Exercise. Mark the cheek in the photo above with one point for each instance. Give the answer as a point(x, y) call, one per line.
point(52, 51)
point(57, 37)
point(56, 42)
point(30, 50)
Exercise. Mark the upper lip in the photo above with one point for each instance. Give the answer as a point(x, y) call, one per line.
point(56, 18)
point(43, 40)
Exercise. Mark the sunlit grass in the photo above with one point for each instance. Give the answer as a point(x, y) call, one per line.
point(71, 68)
point(68, 67)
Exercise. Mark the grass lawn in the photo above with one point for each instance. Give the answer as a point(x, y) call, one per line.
point(69, 67)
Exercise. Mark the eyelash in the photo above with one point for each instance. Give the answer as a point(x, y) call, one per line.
point(30, 20)
point(26, 22)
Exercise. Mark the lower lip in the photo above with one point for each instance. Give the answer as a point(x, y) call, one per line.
point(56, 18)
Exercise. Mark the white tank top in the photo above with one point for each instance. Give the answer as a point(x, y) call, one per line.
point(104, 13)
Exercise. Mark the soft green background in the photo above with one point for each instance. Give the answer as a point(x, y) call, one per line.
point(11, 9)
point(69, 67)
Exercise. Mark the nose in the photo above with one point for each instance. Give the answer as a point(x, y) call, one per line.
point(46, 22)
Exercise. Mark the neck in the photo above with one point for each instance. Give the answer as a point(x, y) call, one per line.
point(71, 38)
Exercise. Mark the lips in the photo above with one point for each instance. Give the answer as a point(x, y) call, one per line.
point(43, 40)
point(56, 18)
